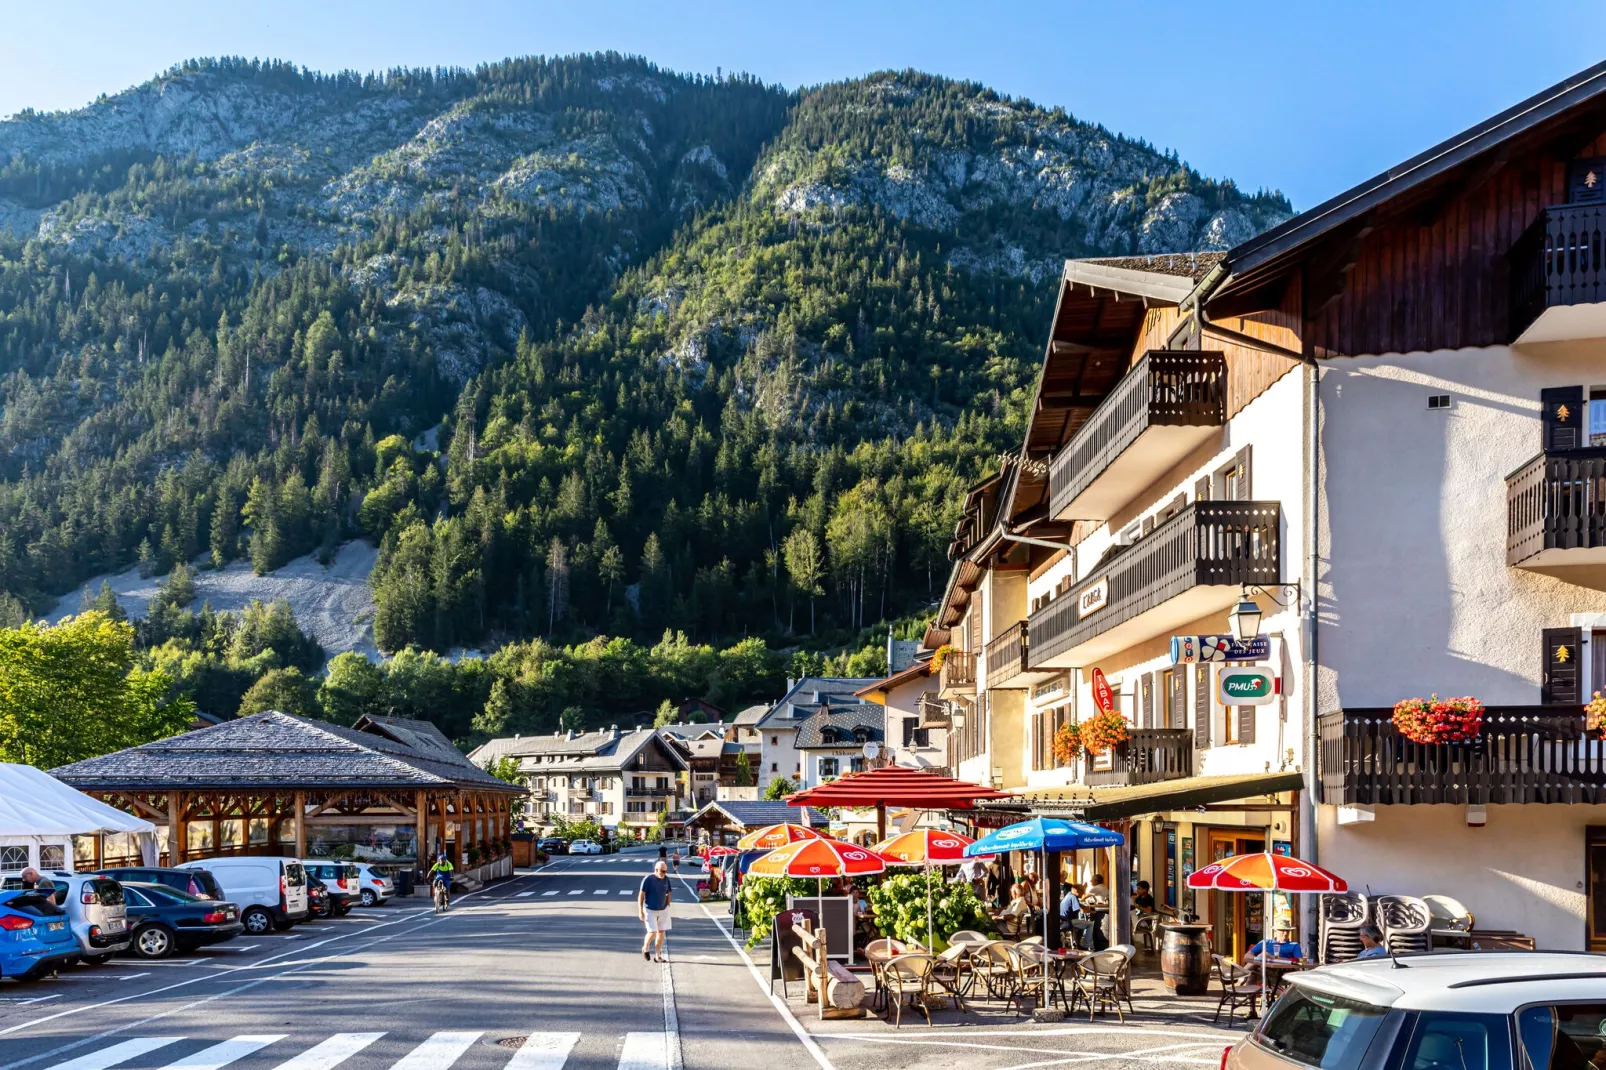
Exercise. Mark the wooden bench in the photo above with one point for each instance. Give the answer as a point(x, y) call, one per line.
point(828, 984)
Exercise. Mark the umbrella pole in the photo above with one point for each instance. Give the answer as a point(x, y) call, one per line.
point(1266, 908)
point(931, 931)
point(1042, 882)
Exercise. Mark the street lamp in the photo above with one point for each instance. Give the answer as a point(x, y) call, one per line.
point(1245, 618)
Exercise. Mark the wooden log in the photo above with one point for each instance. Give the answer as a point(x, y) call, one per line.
point(843, 991)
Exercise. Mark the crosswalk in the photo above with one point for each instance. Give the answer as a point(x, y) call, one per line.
point(439, 1051)
point(576, 891)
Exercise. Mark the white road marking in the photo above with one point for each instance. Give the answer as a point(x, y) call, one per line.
point(526, 895)
point(332, 1052)
point(645, 1051)
point(543, 1051)
point(134, 976)
point(549, 893)
point(671, 1019)
point(439, 1052)
point(117, 1053)
point(577, 891)
point(231, 947)
point(219, 1055)
point(600, 891)
point(624, 891)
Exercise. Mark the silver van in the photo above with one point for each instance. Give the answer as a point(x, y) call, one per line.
point(270, 892)
point(95, 909)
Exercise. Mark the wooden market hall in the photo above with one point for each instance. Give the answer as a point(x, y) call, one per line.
point(271, 784)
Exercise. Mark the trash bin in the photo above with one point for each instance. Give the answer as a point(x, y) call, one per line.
point(404, 881)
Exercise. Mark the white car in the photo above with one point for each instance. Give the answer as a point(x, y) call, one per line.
point(376, 887)
point(585, 847)
point(1446, 1011)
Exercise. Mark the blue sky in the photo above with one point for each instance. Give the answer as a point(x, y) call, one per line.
point(1304, 97)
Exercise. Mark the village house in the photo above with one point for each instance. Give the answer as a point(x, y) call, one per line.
point(777, 729)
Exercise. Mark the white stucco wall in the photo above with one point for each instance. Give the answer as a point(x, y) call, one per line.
point(1524, 870)
point(776, 748)
point(1416, 595)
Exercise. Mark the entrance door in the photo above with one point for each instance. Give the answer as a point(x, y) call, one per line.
point(1595, 863)
point(1239, 917)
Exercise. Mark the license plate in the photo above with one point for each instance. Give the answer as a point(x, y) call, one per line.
point(55, 926)
point(115, 926)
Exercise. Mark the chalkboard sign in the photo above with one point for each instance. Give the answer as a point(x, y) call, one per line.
point(836, 913)
point(783, 964)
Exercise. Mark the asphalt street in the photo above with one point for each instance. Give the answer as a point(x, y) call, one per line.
point(538, 973)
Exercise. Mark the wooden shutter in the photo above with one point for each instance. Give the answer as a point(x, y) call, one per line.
point(1201, 706)
point(1246, 724)
point(1179, 698)
point(1241, 460)
point(1146, 687)
point(1201, 489)
point(1562, 417)
point(1558, 680)
point(1586, 181)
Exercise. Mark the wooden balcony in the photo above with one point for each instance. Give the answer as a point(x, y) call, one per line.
point(934, 712)
point(957, 675)
point(1008, 660)
point(1149, 756)
point(1556, 511)
point(1526, 754)
point(1189, 567)
point(1558, 276)
point(1160, 411)
point(646, 792)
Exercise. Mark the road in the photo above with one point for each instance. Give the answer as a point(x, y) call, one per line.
point(543, 972)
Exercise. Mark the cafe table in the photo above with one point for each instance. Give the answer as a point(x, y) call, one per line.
point(1277, 971)
point(1058, 963)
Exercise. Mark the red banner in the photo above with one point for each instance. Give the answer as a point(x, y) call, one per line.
point(1103, 697)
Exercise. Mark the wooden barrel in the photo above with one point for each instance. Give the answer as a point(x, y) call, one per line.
point(1185, 959)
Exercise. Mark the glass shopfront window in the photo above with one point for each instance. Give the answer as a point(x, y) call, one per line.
point(363, 843)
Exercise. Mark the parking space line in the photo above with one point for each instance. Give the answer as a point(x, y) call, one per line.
point(525, 895)
point(578, 891)
point(600, 891)
point(549, 893)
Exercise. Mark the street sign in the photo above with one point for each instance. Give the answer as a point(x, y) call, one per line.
point(1242, 686)
point(1103, 697)
point(1192, 649)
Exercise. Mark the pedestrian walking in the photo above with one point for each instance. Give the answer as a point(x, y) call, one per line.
point(652, 906)
point(674, 861)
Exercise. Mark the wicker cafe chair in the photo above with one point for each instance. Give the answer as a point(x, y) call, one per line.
point(1147, 929)
point(969, 937)
point(993, 963)
point(876, 953)
point(1032, 974)
point(908, 980)
point(1238, 989)
point(951, 975)
point(1098, 982)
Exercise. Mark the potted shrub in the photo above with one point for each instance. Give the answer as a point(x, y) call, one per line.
point(1595, 715)
point(1103, 731)
point(1068, 743)
point(1439, 720)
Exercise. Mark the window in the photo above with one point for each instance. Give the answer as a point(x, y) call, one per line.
point(856, 765)
point(775, 767)
point(1438, 401)
point(13, 859)
point(828, 735)
point(775, 741)
point(1323, 1031)
point(52, 856)
point(827, 767)
point(1597, 416)
point(1566, 1037)
point(1460, 1042)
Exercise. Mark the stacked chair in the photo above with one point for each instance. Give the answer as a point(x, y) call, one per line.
point(1342, 918)
point(1407, 924)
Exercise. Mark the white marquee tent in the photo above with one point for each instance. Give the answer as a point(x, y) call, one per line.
point(39, 816)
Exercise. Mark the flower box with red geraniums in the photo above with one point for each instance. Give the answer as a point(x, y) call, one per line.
point(1103, 731)
point(1439, 720)
point(1595, 715)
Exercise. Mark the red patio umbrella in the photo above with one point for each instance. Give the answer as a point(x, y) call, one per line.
point(1266, 871)
point(896, 785)
point(925, 848)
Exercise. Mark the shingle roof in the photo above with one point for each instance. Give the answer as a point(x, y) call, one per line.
point(751, 715)
point(755, 814)
point(604, 753)
point(866, 718)
point(423, 736)
point(810, 692)
point(276, 750)
point(1193, 266)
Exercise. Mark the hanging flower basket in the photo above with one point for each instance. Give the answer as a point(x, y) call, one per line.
point(1439, 720)
point(1595, 715)
point(1103, 731)
point(1068, 744)
point(940, 656)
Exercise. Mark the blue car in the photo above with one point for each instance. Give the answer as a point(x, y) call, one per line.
point(36, 936)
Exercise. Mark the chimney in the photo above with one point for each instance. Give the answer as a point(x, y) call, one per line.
point(515, 735)
point(569, 735)
point(790, 683)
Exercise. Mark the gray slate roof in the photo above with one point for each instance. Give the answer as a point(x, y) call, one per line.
point(275, 750)
point(597, 752)
point(757, 814)
point(866, 719)
point(752, 715)
point(806, 695)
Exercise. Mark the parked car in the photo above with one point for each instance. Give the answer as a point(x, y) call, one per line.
point(36, 936)
point(376, 887)
point(271, 892)
point(552, 845)
point(585, 847)
point(317, 897)
point(95, 913)
point(342, 881)
point(196, 882)
point(165, 919)
point(1446, 1011)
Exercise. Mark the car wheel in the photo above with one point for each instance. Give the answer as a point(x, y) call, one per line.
point(153, 942)
point(256, 921)
point(369, 898)
point(342, 910)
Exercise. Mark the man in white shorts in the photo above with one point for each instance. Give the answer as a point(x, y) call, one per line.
point(652, 906)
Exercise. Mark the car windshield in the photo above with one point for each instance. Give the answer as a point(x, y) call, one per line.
point(1319, 1030)
point(1567, 1036)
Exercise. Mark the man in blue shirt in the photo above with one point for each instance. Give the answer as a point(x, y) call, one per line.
point(1283, 948)
point(652, 906)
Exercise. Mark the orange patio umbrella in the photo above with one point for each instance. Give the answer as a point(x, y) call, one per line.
point(925, 848)
point(1266, 871)
point(772, 836)
point(819, 858)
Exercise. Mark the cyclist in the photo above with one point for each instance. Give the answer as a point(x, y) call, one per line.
point(440, 877)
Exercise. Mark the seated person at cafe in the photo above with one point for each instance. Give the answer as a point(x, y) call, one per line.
point(1142, 898)
point(1284, 947)
point(1070, 906)
point(1372, 943)
point(1019, 906)
point(1098, 890)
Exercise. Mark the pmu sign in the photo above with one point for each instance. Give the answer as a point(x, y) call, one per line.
point(1239, 686)
point(1193, 649)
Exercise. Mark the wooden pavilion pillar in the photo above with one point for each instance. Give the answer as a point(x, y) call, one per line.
point(301, 824)
point(176, 830)
point(421, 827)
point(462, 832)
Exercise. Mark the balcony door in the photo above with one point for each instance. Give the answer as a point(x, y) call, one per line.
point(1595, 884)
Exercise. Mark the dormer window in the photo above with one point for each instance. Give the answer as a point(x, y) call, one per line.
point(861, 735)
point(828, 735)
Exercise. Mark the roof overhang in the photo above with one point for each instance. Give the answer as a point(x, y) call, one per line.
point(1184, 793)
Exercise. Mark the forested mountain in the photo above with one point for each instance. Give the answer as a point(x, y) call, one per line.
point(584, 345)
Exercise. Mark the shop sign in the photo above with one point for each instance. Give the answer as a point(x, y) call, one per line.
point(1093, 599)
point(1103, 697)
point(1193, 649)
point(1049, 689)
point(1245, 687)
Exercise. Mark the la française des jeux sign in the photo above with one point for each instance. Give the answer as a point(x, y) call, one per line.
point(1194, 649)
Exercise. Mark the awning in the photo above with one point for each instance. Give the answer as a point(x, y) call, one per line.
point(896, 785)
point(1184, 793)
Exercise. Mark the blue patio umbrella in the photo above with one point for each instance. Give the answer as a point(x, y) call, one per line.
point(1045, 834)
